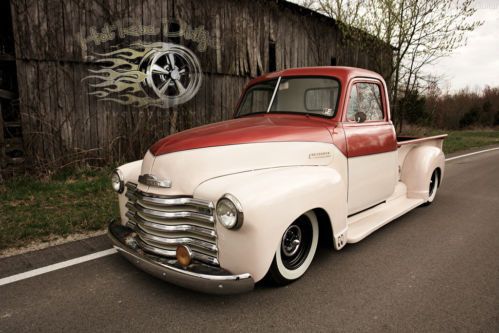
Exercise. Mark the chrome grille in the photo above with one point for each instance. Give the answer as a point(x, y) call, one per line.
point(162, 223)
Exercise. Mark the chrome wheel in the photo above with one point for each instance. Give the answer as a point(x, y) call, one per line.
point(173, 74)
point(291, 241)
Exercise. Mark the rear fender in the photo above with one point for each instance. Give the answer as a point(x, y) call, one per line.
point(418, 167)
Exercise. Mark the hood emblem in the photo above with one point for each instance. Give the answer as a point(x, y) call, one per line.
point(152, 180)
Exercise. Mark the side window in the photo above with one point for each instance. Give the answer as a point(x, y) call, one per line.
point(365, 98)
point(353, 105)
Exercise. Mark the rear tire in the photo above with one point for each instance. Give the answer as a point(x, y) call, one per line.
point(296, 250)
point(434, 182)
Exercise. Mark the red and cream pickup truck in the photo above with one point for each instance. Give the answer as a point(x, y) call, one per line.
point(311, 153)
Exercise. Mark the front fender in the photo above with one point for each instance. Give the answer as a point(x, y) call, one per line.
point(271, 200)
point(130, 172)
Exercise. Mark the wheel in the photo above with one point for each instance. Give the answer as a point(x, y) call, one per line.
point(433, 188)
point(296, 250)
point(173, 74)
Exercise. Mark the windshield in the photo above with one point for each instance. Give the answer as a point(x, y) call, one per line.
point(310, 95)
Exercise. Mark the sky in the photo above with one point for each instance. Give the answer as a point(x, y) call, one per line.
point(476, 64)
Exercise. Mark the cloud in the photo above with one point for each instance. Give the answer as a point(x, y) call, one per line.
point(476, 64)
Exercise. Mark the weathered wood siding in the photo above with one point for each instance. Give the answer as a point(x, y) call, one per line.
point(62, 123)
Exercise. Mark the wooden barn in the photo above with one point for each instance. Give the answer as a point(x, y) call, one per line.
point(51, 115)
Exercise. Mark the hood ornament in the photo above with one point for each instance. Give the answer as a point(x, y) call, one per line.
point(152, 180)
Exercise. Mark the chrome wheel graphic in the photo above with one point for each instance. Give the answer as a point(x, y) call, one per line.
point(159, 74)
point(173, 74)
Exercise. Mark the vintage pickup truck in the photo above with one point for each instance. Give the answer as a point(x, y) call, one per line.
point(311, 153)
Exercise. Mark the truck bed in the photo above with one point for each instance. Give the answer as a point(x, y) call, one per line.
point(407, 140)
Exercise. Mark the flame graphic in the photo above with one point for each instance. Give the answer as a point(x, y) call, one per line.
point(119, 78)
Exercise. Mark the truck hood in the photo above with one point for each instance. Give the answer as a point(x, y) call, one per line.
point(188, 168)
point(251, 129)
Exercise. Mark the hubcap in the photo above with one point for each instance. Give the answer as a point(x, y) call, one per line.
point(175, 74)
point(291, 241)
point(296, 242)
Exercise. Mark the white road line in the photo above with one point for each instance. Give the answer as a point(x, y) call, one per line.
point(76, 261)
point(470, 154)
point(54, 267)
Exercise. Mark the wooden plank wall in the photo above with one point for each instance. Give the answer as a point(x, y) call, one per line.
point(63, 124)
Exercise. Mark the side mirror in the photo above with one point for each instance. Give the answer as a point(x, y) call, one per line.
point(360, 117)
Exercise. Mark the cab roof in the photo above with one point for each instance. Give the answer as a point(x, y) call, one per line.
point(344, 74)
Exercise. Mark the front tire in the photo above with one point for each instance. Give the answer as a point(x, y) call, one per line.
point(296, 250)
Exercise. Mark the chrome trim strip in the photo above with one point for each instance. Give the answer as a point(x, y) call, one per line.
point(131, 186)
point(145, 236)
point(170, 253)
point(152, 180)
point(169, 215)
point(172, 228)
point(153, 217)
point(273, 95)
point(138, 195)
point(165, 200)
point(208, 279)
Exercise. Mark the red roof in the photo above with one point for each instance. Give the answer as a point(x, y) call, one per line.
point(342, 73)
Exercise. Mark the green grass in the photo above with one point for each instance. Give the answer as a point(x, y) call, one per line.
point(67, 203)
point(77, 201)
point(460, 140)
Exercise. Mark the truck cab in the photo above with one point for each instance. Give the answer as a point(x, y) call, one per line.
point(310, 152)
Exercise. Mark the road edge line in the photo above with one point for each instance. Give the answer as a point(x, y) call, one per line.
point(57, 266)
point(470, 154)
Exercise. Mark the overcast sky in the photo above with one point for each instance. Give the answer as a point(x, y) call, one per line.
point(476, 64)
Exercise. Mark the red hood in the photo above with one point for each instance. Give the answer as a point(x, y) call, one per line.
point(251, 129)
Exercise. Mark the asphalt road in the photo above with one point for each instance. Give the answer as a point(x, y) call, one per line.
point(435, 269)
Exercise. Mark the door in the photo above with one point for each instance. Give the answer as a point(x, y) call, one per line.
point(371, 146)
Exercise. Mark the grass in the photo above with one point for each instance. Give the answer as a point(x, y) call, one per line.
point(67, 203)
point(460, 140)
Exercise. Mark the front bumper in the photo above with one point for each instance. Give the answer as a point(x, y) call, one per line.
point(197, 276)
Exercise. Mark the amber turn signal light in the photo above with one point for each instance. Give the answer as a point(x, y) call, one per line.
point(184, 255)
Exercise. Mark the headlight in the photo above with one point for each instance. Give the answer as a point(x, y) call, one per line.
point(117, 181)
point(229, 212)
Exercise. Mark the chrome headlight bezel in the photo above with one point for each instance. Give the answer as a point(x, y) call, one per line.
point(118, 181)
point(238, 211)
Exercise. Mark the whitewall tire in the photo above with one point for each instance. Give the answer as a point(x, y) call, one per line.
point(433, 187)
point(296, 250)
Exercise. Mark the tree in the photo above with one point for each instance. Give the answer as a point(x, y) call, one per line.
point(419, 31)
point(470, 118)
point(414, 108)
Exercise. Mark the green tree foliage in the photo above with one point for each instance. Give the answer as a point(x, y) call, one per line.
point(414, 107)
point(470, 118)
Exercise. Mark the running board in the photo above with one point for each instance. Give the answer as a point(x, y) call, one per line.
point(363, 224)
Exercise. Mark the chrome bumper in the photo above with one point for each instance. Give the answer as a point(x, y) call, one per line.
point(197, 276)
